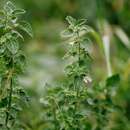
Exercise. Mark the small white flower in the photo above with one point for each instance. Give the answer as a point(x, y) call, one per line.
point(14, 20)
point(87, 79)
point(71, 43)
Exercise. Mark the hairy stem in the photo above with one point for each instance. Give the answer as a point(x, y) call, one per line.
point(77, 81)
point(10, 81)
point(79, 48)
point(9, 103)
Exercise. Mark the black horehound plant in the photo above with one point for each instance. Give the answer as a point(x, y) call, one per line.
point(12, 63)
point(76, 104)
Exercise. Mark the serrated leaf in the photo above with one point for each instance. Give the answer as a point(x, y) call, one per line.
point(25, 26)
point(13, 46)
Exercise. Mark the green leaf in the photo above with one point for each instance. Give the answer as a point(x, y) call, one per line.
point(71, 20)
point(17, 34)
point(3, 103)
point(13, 46)
point(81, 22)
point(22, 60)
point(19, 11)
point(66, 33)
point(113, 80)
point(25, 26)
point(2, 49)
point(9, 7)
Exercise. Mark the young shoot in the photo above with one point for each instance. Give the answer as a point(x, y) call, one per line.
point(12, 63)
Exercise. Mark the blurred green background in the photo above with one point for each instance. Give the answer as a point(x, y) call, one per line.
point(46, 50)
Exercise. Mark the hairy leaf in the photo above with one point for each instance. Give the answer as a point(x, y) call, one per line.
point(9, 7)
point(25, 26)
point(13, 46)
point(19, 11)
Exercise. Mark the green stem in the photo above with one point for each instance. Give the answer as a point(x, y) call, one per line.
point(10, 75)
point(79, 48)
point(77, 81)
point(79, 54)
point(9, 104)
point(55, 103)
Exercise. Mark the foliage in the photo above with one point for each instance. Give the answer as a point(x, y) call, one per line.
point(77, 103)
point(104, 103)
point(12, 63)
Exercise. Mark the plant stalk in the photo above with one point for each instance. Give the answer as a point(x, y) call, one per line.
point(10, 80)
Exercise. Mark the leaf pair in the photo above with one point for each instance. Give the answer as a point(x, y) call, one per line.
point(10, 8)
point(76, 27)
